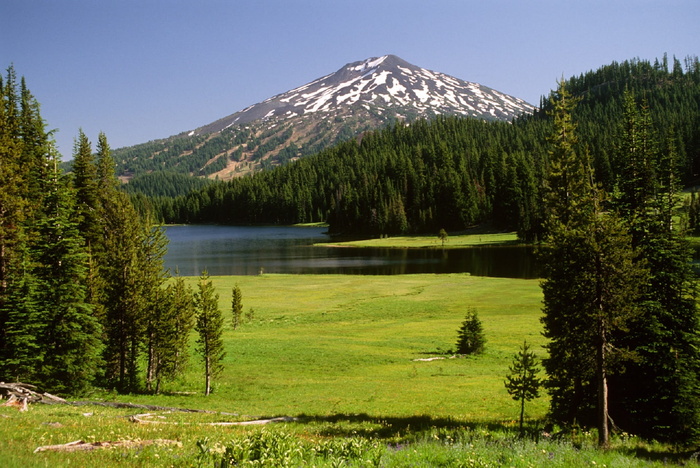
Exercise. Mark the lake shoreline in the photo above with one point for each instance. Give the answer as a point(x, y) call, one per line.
point(431, 242)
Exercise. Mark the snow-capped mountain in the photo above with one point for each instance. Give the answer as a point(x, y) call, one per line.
point(388, 84)
point(360, 96)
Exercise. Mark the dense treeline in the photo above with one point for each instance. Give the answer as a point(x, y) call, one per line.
point(164, 183)
point(451, 172)
point(620, 299)
point(83, 293)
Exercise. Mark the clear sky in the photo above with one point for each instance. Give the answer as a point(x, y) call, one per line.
point(146, 69)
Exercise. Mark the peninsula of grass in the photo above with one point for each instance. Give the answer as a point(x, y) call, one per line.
point(363, 365)
point(457, 241)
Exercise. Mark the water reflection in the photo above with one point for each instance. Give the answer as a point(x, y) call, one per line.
point(227, 250)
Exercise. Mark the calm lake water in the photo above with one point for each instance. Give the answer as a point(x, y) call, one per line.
point(236, 250)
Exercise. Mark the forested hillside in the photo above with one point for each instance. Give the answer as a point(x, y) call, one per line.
point(453, 172)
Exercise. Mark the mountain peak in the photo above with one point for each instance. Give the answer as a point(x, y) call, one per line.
point(358, 97)
point(381, 84)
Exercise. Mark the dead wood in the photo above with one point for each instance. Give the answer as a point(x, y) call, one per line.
point(144, 419)
point(79, 445)
point(27, 393)
point(20, 394)
point(17, 402)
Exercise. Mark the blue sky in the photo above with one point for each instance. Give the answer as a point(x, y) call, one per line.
point(148, 69)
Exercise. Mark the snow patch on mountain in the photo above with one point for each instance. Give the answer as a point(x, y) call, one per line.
point(382, 81)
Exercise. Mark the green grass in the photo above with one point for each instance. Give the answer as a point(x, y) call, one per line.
point(338, 353)
point(432, 242)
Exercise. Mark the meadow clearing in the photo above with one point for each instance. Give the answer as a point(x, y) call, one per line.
point(362, 364)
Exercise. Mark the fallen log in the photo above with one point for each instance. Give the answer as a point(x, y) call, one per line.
point(80, 446)
point(143, 419)
point(27, 392)
point(20, 394)
point(31, 394)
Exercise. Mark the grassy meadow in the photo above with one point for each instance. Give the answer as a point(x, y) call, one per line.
point(361, 362)
point(457, 241)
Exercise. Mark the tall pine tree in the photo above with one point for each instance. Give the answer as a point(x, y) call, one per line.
point(658, 392)
point(72, 336)
point(209, 326)
point(591, 282)
point(172, 322)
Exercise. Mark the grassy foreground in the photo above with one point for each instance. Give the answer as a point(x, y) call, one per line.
point(341, 355)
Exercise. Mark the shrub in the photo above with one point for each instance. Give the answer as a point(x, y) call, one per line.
point(470, 337)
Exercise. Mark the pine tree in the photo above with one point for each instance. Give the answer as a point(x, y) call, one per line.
point(522, 382)
point(35, 147)
point(174, 361)
point(470, 337)
point(236, 306)
point(659, 390)
point(156, 300)
point(170, 322)
point(52, 333)
point(123, 298)
point(209, 326)
point(23, 323)
point(49, 333)
point(87, 195)
point(442, 235)
point(71, 337)
point(590, 287)
point(12, 194)
point(566, 181)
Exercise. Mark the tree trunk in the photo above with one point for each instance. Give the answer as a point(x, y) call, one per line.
point(3, 266)
point(122, 364)
point(603, 430)
point(207, 377)
point(522, 414)
point(150, 366)
point(601, 368)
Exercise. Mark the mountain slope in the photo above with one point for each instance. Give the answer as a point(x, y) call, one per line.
point(386, 82)
point(358, 97)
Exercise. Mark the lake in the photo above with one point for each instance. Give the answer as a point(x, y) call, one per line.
point(250, 250)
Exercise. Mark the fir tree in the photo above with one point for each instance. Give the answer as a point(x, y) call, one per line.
point(24, 323)
point(522, 382)
point(71, 338)
point(12, 194)
point(123, 298)
point(87, 195)
point(470, 337)
point(209, 326)
point(590, 287)
point(236, 306)
point(157, 316)
point(658, 391)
